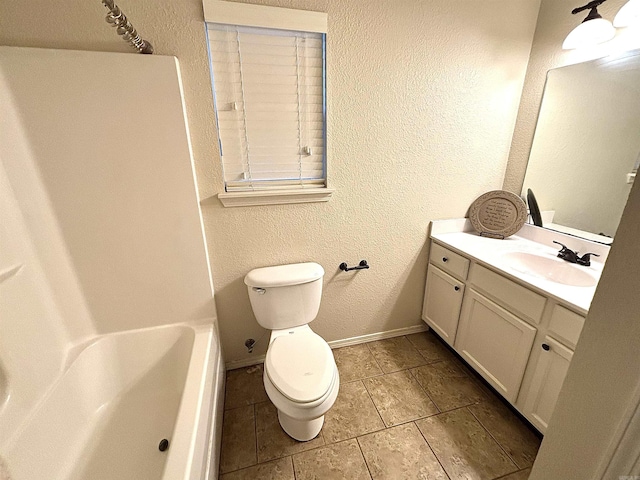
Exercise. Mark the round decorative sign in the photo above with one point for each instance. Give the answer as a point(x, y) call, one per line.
point(498, 214)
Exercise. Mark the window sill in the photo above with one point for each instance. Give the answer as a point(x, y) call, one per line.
point(247, 199)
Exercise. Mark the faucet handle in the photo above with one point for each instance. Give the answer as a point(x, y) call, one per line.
point(567, 254)
point(564, 247)
point(586, 259)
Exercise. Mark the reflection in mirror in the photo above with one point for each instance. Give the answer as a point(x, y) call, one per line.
point(586, 147)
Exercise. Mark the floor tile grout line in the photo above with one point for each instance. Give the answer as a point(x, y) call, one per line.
point(374, 404)
point(420, 417)
point(440, 410)
point(494, 439)
point(508, 474)
point(293, 467)
point(457, 408)
point(373, 356)
point(366, 464)
point(384, 425)
point(433, 415)
point(429, 361)
point(432, 451)
point(342, 382)
point(424, 390)
point(255, 429)
point(279, 457)
point(220, 473)
point(396, 338)
point(313, 449)
point(404, 422)
point(224, 414)
point(224, 417)
point(359, 435)
point(416, 349)
point(361, 379)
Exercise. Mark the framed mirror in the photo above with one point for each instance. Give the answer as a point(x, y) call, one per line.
point(586, 146)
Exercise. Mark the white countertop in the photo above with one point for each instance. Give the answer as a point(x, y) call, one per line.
point(490, 252)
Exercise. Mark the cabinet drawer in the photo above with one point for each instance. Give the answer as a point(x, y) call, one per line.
point(449, 261)
point(566, 325)
point(516, 298)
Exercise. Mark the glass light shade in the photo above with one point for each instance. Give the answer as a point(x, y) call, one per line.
point(628, 15)
point(590, 32)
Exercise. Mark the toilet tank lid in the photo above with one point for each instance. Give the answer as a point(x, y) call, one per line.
point(284, 275)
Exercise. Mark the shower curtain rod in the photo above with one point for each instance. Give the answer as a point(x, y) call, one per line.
point(116, 18)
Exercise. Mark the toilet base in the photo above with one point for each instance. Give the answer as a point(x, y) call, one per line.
point(301, 430)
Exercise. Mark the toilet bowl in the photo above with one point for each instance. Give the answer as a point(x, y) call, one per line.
point(300, 374)
point(301, 380)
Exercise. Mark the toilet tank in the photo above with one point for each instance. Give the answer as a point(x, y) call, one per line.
point(285, 296)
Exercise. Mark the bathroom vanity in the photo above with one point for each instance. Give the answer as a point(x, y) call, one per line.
point(510, 308)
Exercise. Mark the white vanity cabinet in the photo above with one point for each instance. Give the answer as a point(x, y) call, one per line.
point(519, 339)
point(442, 303)
point(549, 363)
point(444, 291)
point(494, 342)
point(549, 369)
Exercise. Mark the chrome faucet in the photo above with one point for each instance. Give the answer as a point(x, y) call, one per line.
point(570, 256)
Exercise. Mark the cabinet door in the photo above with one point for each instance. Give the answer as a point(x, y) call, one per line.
point(548, 377)
point(496, 343)
point(442, 302)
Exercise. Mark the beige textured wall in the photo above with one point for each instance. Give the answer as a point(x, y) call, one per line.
point(422, 102)
point(554, 23)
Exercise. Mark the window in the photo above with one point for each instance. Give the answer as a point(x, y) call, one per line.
point(269, 88)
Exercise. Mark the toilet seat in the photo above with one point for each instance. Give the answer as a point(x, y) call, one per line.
point(301, 366)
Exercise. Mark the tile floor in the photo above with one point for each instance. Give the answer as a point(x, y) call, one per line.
point(407, 408)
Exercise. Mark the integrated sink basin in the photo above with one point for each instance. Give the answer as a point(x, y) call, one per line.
point(550, 268)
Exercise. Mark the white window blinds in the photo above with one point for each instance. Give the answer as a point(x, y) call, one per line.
point(270, 106)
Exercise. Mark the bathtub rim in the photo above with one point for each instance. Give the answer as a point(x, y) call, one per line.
point(194, 450)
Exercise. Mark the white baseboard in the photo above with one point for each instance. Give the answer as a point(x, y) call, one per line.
point(346, 342)
point(370, 337)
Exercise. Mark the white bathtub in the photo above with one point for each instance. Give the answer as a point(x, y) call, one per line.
point(125, 392)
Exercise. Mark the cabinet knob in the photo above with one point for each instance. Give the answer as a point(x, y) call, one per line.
point(546, 347)
point(456, 288)
point(445, 259)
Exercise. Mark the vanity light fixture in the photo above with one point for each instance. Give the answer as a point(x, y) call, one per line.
point(593, 30)
point(628, 15)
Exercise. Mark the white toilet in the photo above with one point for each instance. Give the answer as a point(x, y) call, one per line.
point(300, 373)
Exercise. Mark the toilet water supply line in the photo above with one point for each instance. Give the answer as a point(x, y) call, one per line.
point(116, 18)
